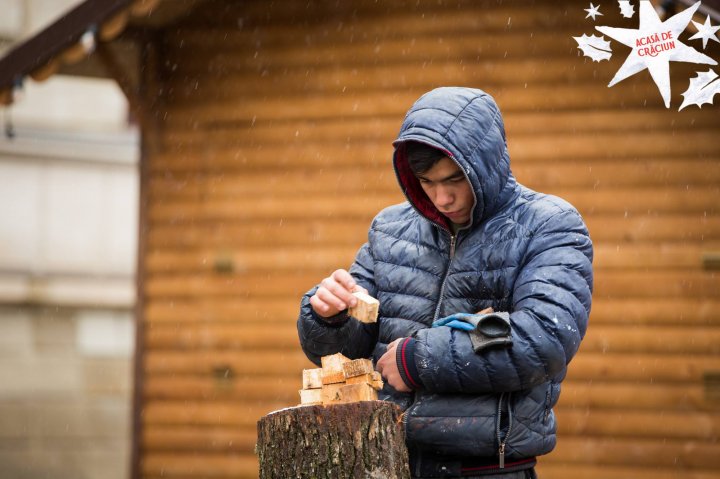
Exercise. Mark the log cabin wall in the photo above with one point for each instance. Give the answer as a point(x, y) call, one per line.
point(274, 153)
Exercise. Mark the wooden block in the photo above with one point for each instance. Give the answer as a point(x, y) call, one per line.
point(331, 393)
point(312, 378)
point(310, 396)
point(377, 382)
point(362, 379)
point(332, 368)
point(333, 362)
point(366, 309)
point(357, 392)
point(358, 367)
point(342, 393)
point(332, 377)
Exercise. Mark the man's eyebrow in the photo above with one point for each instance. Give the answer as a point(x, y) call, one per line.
point(454, 176)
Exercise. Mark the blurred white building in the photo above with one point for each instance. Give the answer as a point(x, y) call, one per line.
point(68, 235)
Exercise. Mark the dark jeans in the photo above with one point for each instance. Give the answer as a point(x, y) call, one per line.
point(526, 474)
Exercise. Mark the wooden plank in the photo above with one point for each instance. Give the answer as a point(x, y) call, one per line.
point(279, 364)
point(641, 367)
point(336, 232)
point(323, 259)
point(660, 311)
point(683, 227)
point(630, 201)
point(600, 338)
point(334, 78)
point(396, 103)
point(384, 129)
point(182, 466)
point(647, 396)
point(233, 413)
point(638, 424)
point(357, 179)
point(268, 232)
point(669, 454)
point(236, 336)
point(608, 283)
point(582, 149)
point(198, 439)
point(214, 388)
point(562, 470)
point(662, 340)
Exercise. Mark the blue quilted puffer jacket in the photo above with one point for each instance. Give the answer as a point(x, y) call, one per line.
point(523, 252)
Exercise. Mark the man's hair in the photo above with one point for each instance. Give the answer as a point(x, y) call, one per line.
point(422, 157)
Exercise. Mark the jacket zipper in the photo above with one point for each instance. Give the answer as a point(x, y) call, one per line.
point(453, 239)
point(502, 441)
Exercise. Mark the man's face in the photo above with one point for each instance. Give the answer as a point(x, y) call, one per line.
point(449, 190)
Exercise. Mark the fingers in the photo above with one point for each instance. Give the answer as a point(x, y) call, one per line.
point(486, 311)
point(335, 294)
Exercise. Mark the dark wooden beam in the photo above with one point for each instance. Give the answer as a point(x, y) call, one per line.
point(50, 42)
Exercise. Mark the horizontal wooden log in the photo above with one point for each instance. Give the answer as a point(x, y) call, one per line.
point(242, 415)
point(679, 455)
point(686, 228)
point(638, 424)
point(277, 364)
point(336, 233)
point(608, 283)
point(217, 387)
point(382, 130)
point(268, 232)
point(231, 310)
point(689, 425)
point(650, 394)
point(584, 149)
point(562, 470)
point(186, 466)
point(334, 78)
point(659, 311)
point(602, 338)
point(361, 180)
point(395, 104)
point(641, 367)
point(326, 259)
point(277, 23)
point(625, 201)
point(198, 439)
point(629, 312)
point(658, 340)
point(647, 395)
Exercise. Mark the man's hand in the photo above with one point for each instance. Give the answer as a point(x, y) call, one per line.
point(387, 367)
point(335, 294)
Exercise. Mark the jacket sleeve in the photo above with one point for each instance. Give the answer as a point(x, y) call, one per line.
point(340, 333)
point(551, 300)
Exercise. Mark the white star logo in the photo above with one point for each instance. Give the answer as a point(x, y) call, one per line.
point(593, 11)
point(706, 31)
point(654, 45)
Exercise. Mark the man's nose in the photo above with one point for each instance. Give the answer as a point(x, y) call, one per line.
point(444, 196)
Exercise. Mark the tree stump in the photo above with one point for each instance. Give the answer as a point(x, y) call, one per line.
point(360, 440)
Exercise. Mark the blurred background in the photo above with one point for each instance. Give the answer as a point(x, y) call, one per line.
point(236, 152)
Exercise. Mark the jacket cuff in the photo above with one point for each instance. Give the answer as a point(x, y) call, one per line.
point(405, 358)
point(333, 321)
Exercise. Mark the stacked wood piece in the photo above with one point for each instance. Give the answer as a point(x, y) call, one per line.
point(340, 380)
point(367, 308)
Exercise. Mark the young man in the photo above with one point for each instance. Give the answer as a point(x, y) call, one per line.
point(477, 389)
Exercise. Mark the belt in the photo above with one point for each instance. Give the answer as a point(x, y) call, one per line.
point(432, 465)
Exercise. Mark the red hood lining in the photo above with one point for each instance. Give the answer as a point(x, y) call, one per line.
point(413, 190)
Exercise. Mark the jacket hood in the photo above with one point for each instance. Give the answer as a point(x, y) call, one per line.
point(466, 124)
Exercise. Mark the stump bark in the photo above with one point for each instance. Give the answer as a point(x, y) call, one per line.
point(361, 440)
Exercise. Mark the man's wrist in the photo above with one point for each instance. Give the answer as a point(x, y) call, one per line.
point(405, 358)
point(335, 320)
